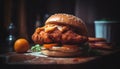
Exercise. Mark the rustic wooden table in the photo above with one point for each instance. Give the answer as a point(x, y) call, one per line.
point(108, 59)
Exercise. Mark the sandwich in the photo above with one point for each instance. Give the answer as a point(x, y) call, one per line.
point(63, 35)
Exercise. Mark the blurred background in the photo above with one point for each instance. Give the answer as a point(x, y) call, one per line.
point(20, 17)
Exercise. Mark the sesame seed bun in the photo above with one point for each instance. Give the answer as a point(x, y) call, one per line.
point(68, 19)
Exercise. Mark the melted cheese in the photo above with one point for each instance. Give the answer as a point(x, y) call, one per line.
point(49, 28)
point(60, 28)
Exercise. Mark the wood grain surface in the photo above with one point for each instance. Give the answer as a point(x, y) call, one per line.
point(38, 58)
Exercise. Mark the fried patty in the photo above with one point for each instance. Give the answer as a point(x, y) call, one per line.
point(57, 36)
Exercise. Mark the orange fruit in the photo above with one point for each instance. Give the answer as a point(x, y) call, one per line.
point(21, 45)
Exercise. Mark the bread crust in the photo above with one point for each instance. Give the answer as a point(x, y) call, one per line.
point(68, 19)
point(93, 39)
point(60, 54)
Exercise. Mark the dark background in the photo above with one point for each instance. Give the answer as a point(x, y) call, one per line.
point(24, 13)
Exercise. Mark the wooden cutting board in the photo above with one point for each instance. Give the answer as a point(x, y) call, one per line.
point(38, 58)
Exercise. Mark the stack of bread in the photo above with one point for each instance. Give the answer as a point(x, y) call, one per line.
point(99, 43)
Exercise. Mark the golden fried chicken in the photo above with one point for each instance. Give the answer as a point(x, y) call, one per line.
point(57, 36)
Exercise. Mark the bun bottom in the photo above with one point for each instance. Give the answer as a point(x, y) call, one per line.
point(60, 54)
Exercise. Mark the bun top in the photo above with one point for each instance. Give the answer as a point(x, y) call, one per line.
point(68, 19)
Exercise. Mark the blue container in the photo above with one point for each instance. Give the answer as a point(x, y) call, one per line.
point(110, 30)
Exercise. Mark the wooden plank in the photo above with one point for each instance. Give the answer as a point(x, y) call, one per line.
point(38, 58)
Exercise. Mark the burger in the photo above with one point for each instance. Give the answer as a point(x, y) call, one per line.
point(63, 35)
